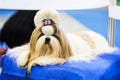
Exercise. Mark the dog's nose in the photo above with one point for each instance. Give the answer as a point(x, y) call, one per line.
point(47, 40)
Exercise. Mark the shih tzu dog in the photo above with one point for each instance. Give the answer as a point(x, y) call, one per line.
point(50, 46)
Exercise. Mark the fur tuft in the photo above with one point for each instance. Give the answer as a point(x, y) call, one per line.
point(46, 14)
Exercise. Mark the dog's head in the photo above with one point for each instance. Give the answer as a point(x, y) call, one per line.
point(47, 38)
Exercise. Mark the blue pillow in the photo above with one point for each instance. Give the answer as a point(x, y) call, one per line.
point(105, 67)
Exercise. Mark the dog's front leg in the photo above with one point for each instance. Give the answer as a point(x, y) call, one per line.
point(44, 61)
point(22, 60)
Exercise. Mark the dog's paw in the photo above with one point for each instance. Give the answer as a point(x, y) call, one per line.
point(29, 66)
point(22, 60)
point(44, 61)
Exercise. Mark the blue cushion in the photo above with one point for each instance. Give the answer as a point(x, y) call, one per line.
point(105, 67)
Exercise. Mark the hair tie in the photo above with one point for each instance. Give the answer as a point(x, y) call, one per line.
point(47, 22)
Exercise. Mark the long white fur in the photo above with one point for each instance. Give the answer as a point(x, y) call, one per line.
point(20, 54)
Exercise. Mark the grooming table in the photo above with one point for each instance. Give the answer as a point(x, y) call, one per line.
point(105, 67)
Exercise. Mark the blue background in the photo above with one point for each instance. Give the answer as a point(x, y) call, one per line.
point(94, 19)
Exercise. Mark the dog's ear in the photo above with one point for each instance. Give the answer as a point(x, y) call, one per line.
point(33, 40)
point(66, 49)
point(35, 35)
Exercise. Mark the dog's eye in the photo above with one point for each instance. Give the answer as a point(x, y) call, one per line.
point(55, 31)
point(56, 37)
point(40, 35)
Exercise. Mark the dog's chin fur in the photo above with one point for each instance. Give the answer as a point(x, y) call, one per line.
point(61, 47)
